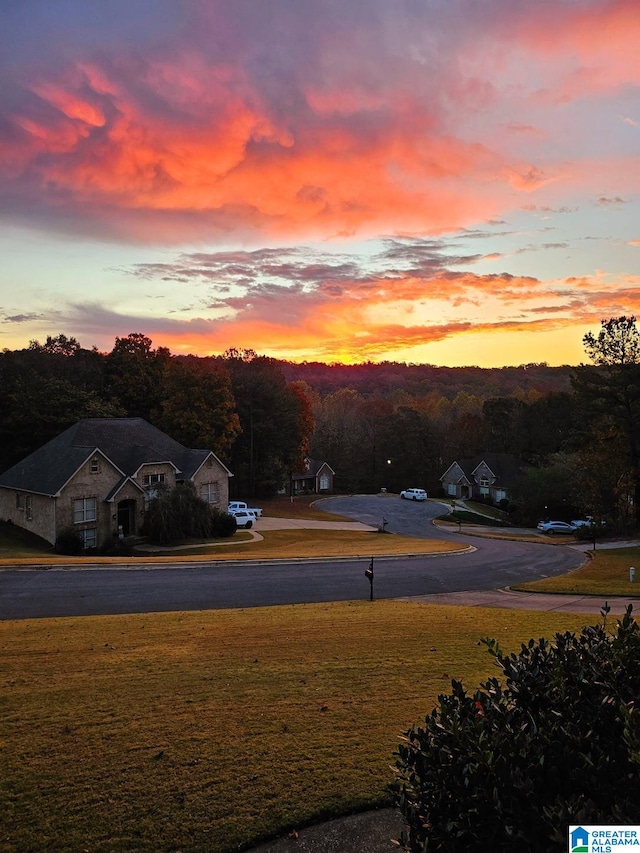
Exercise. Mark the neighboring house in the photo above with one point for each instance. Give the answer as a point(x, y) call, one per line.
point(316, 477)
point(98, 476)
point(487, 475)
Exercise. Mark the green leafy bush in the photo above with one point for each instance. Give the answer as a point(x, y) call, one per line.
point(555, 741)
point(178, 514)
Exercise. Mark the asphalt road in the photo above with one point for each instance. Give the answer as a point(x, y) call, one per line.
point(213, 585)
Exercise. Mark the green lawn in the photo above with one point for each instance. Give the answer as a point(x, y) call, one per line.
point(213, 730)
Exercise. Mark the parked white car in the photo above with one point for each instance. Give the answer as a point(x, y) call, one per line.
point(587, 522)
point(413, 495)
point(243, 518)
point(234, 506)
point(552, 527)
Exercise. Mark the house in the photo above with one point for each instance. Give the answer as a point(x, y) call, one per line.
point(316, 477)
point(98, 476)
point(487, 476)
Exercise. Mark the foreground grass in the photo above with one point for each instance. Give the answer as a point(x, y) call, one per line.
point(607, 573)
point(213, 730)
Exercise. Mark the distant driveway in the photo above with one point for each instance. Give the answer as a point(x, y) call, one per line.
point(411, 518)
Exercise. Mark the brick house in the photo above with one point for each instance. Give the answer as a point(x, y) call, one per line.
point(315, 478)
point(98, 476)
point(485, 476)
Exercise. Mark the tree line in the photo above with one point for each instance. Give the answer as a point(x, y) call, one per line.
point(389, 426)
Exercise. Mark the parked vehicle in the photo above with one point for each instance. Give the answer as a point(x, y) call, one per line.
point(588, 522)
point(243, 518)
point(255, 511)
point(413, 495)
point(552, 527)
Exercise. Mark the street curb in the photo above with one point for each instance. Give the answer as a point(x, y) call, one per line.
point(213, 563)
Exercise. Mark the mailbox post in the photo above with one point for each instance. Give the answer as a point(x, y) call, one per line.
point(369, 574)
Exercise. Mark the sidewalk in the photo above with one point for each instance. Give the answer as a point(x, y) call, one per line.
point(512, 599)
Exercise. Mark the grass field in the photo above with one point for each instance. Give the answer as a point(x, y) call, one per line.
point(607, 573)
point(212, 730)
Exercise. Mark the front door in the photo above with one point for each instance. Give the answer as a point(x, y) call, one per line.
point(127, 517)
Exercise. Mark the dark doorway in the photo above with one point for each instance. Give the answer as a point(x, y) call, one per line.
point(127, 517)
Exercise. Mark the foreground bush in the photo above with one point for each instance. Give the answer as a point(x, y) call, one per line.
point(555, 741)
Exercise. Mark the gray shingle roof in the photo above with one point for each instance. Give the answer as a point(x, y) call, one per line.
point(127, 442)
point(505, 466)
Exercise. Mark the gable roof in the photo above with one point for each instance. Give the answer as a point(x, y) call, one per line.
point(313, 469)
point(127, 443)
point(505, 466)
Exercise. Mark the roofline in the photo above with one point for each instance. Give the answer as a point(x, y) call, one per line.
point(455, 462)
point(27, 491)
point(159, 462)
point(91, 453)
point(219, 461)
point(484, 462)
point(121, 486)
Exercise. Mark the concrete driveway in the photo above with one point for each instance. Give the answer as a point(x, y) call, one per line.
point(269, 523)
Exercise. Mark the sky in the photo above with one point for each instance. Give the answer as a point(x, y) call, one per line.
point(452, 182)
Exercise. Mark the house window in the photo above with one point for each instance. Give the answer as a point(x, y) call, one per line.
point(28, 508)
point(19, 500)
point(94, 467)
point(154, 479)
point(324, 482)
point(501, 495)
point(85, 509)
point(210, 493)
point(451, 489)
point(89, 537)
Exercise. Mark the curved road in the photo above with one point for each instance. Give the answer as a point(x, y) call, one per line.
point(212, 585)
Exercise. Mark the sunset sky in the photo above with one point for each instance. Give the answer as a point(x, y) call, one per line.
point(445, 181)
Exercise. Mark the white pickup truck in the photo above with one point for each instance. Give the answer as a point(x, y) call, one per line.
point(241, 506)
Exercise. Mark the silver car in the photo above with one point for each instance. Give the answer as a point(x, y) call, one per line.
point(552, 527)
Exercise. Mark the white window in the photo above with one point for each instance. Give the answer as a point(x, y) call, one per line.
point(154, 479)
point(210, 493)
point(324, 482)
point(28, 507)
point(85, 509)
point(501, 495)
point(94, 467)
point(19, 500)
point(451, 489)
point(89, 537)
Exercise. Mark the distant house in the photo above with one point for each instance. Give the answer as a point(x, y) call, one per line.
point(98, 476)
point(316, 477)
point(485, 476)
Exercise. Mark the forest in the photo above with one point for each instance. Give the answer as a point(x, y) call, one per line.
point(388, 425)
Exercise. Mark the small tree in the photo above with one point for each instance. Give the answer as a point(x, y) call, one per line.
point(178, 514)
point(555, 741)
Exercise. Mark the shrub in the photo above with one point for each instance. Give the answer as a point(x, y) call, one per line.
point(116, 547)
point(69, 542)
point(555, 741)
point(224, 525)
point(178, 514)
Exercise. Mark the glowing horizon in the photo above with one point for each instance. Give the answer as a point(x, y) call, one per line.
point(440, 184)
